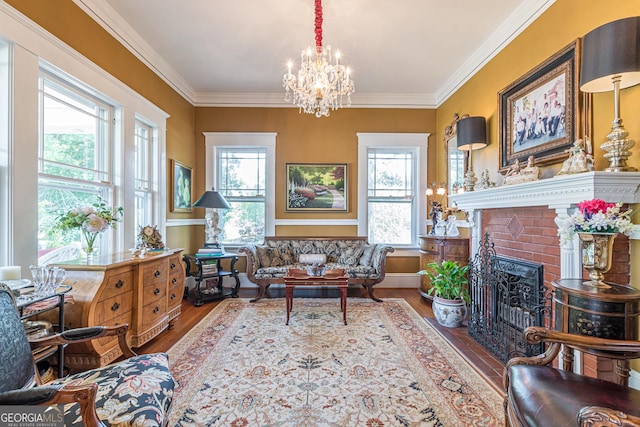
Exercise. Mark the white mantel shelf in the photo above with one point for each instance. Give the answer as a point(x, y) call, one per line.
point(562, 191)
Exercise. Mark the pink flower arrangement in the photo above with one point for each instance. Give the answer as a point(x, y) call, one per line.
point(597, 216)
point(91, 220)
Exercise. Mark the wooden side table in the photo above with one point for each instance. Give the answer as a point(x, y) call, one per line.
point(439, 248)
point(209, 267)
point(597, 312)
point(336, 278)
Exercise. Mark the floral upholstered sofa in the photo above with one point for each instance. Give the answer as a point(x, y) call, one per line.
point(268, 263)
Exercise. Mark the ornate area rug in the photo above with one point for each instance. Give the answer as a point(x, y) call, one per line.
point(241, 366)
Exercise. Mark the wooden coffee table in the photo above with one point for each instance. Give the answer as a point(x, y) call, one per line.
point(336, 278)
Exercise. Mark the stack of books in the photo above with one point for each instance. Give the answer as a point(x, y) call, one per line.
point(211, 268)
point(208, 252)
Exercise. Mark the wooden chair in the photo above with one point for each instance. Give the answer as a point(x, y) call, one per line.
point(138, 390)
point(537, 394)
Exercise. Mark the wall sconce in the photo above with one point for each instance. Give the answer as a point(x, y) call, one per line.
point(436, 204)
point(611, 61)
point(471, 135)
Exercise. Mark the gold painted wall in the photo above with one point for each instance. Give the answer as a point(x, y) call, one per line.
point(562, 23)
point(305, 138)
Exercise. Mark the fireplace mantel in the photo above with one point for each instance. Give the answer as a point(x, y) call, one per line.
point(563, 191)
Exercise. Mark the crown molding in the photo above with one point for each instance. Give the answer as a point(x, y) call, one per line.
point(101, 12)
point(515, 24)
point(276, 100)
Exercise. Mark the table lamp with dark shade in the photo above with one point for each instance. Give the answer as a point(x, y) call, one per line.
point(610, 62)
point(214, 200)
point(471, 134)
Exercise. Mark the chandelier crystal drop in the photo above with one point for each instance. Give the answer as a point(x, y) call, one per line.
point(321, 84)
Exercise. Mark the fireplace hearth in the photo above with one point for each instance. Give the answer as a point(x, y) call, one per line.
point(507, 296)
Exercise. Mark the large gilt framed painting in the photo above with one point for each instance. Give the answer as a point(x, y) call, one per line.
point(540, 113)
point(317, 187)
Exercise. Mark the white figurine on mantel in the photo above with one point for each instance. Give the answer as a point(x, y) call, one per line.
point(579, 160)
point(515, 174)
point(485, 181)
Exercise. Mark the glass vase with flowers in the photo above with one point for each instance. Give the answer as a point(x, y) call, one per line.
point(597, 224)
point(91, 220)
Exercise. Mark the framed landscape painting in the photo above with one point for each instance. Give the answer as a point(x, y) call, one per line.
point(540, 113)
point(180, 187)
point(316, 187)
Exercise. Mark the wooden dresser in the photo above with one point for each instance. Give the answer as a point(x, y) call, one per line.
point(439, 248)
point(145, 292)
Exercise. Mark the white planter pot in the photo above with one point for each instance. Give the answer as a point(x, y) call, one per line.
point(449, 313)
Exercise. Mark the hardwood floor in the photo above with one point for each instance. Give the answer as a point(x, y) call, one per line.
point(484, 362)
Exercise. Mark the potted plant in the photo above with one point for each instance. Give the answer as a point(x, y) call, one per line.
point(449, 289)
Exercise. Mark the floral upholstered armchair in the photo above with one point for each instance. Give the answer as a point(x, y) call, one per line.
point(136, 391)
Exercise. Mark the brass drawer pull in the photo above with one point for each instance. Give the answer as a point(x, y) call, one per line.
point(115, 306)
point(119, 284)
point(155, 310)
point(156, 291)
point(157, 273)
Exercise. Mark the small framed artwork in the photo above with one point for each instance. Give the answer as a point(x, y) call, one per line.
point(540, 113)
point(180, 187)
point(316, 187)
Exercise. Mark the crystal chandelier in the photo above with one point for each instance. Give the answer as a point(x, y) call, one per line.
point(320, 85)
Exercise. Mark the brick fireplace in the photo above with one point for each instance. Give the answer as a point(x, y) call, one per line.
point(521, 222)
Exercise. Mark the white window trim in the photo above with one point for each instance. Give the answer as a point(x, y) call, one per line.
point(34, 47)
point(215, 140)
point(419, 141)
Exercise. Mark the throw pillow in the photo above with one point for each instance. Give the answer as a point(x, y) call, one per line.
point(312, 258)
point(367, 255)
point(349, 257)
point(264, 256)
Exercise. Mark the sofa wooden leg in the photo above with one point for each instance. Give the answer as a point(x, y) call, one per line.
point(262, 293)
point(369, 287)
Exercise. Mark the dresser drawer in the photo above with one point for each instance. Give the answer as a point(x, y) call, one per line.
point(155, 273)
point(117, 321)
point(153, 292)
point(117, 284)
point(113, 307)
point(176, 291)
point(175, 266)
point(430, 246)
point(152, 313)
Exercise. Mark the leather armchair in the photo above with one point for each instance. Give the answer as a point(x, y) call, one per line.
point(136, 391)
point(538, 394)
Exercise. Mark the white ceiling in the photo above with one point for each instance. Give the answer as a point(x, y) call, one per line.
point(403, 53)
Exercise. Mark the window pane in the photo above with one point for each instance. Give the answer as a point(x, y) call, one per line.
point(74, 128)
point(55, 198)
point(390, 222)
point(73, 157)
point(241, 179)
point(390, 174)
point(242, 172)
point(243, 223)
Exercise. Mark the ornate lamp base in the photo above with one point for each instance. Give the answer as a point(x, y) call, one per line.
point(617, 148)
point(470, 180)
